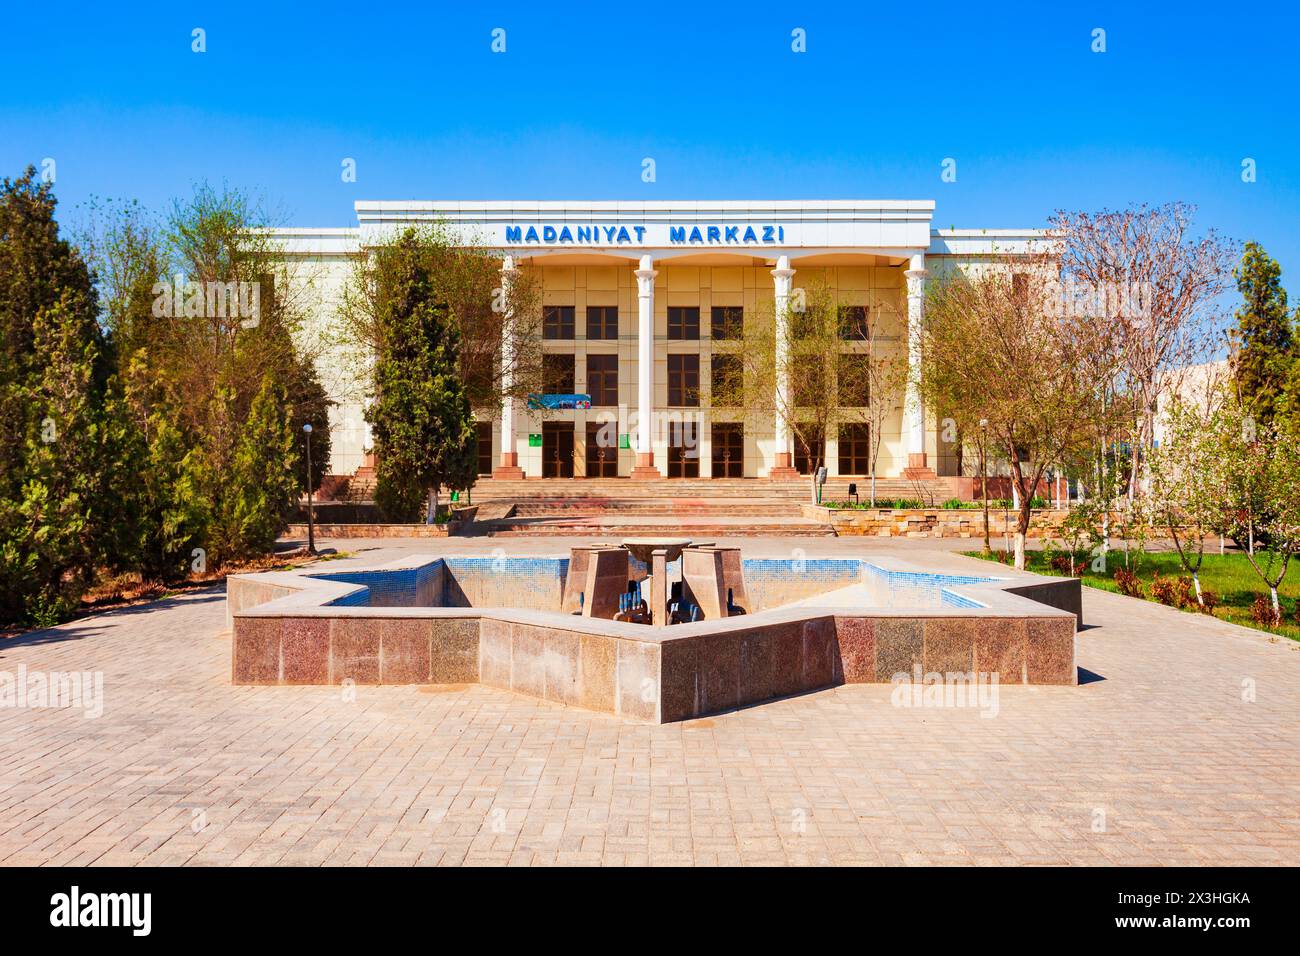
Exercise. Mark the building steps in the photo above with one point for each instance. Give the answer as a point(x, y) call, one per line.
point(635, 526)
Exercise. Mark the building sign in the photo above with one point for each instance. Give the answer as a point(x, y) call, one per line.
point(559, 402)
point(658, 234)
point(534, 439)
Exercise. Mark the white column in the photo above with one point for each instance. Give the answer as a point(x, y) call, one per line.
point(645, 370)
point(913, 407)
point(509, 466)
point(782, 277)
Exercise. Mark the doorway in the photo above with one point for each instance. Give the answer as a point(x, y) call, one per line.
point(728, 450)
point(557, 449)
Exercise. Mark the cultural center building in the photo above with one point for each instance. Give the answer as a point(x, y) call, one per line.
point(642, 302)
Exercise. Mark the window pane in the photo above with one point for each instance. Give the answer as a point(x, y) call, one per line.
point(854, 383)
point(557, 374)
point(684, 381)
point(602, 322)
point(683, 323)
point(728, 383)
point(602, 379)
point(728, 321)
point(557, 322)
point(853, 323)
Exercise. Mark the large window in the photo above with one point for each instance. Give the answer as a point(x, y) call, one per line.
point(808, 383)
point(853, 380)
point(557, 322)
point(853, 323)
point(728, 381)
point(684, 381)
point(683, 323)
point(728, 321)
point(557, 374)
point(602, 379)
point(602, 322)
point(855, 448)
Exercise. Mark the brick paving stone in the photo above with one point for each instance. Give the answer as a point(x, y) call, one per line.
point(1155, 759)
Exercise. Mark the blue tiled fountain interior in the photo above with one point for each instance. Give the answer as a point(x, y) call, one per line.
point(537, 582)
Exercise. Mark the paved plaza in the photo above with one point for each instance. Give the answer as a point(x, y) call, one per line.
point(1178, 747)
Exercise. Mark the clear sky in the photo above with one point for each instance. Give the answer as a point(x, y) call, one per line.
point(713, 93)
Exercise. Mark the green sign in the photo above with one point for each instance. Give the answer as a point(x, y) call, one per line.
point(623, 441)
point(534, 440)
point(455, 496)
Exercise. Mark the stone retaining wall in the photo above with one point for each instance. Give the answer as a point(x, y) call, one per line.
point(934, 522)
point(377, 530)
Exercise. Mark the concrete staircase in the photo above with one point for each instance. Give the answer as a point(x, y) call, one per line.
point(618, 507)
point(691, 489)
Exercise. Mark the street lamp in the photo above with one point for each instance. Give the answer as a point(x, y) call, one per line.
point(984, 480)
point(311, 525)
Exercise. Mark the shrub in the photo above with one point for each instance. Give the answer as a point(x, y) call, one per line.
point(952, 504)
point(1129, 583)
point(1209, 601)
point(1067, 563)
point(1262, 613)
point(1170, 591)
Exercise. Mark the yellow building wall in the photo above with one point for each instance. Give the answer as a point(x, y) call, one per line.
point(882, 289)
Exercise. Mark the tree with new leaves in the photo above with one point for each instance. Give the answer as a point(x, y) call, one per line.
point(499, 322)
point(421, 418)
point(882, 369)
point(1188, 483)
point(1000, 353)
point(835, 374)
point(1257, 494)
point(195, 354)
point(1264, 339)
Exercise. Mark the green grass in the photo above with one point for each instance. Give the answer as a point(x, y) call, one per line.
point(1230, 576)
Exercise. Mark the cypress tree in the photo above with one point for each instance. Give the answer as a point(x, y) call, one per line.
point(421, 418)
point(54, 369)
point(1264, 333)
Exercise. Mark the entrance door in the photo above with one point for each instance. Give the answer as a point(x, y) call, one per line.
point(602, 459)
point(557, 449)
point(728, 450)
point(683, 450)
point(807, 455)
point(855, 448)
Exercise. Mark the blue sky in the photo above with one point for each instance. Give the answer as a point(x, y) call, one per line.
point(884, 93)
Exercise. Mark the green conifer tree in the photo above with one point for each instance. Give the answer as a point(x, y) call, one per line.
point(421, 418)
point(1265, 335)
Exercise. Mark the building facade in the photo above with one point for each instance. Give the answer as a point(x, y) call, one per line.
point(641, 306)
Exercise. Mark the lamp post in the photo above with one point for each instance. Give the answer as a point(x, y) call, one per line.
point(311, 524)
point(984, 481)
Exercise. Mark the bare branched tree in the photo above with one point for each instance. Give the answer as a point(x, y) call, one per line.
point(1143, 272)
